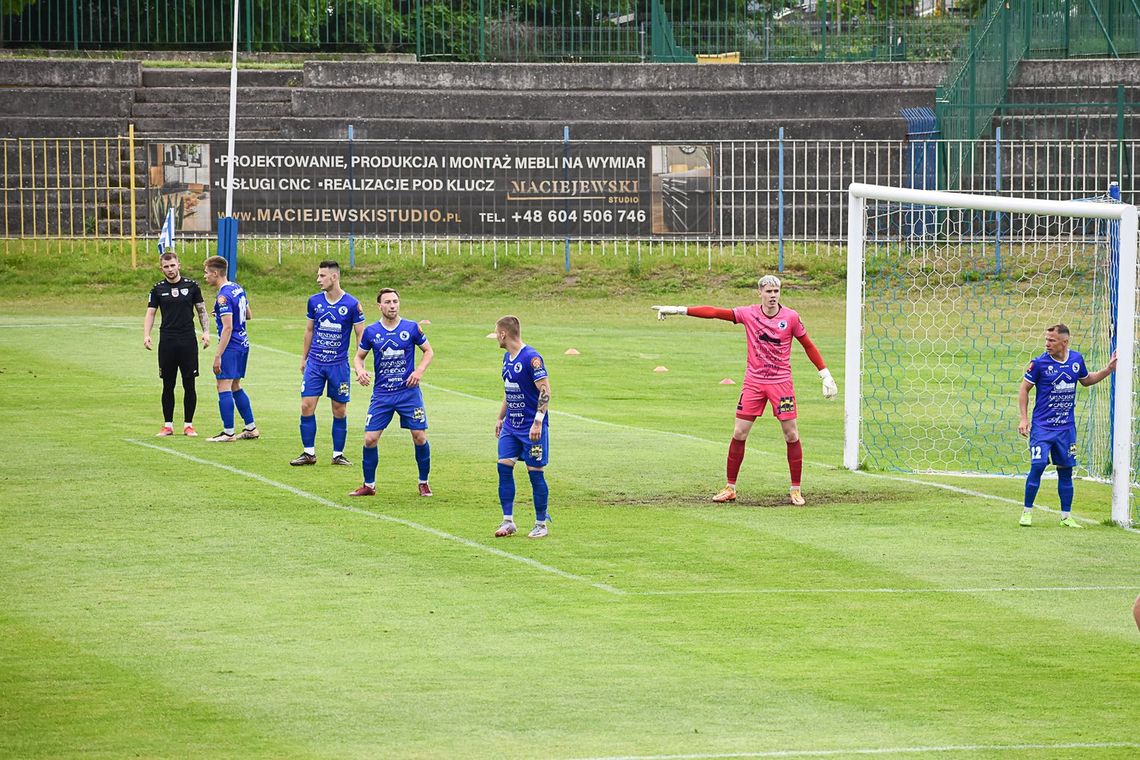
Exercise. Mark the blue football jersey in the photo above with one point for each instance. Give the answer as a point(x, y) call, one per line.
point(232, 300)
point(393, 353)
point(332, 327)
point(1056, 383)
point(519, 376)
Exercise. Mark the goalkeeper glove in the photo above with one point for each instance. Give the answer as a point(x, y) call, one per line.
point(830, 389)
point(664, 311)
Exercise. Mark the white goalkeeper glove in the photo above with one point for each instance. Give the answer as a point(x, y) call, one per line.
point(664, 311)
point(830, 389)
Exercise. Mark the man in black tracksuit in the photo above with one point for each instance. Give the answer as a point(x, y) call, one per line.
point(178, 298)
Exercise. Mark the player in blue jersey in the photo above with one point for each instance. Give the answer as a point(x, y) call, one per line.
point(231, 313)
point(522, 428)
point(393, 342)
point(333, 317)
point(1053, 433)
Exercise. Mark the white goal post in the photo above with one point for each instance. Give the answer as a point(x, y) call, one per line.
point(948, 296)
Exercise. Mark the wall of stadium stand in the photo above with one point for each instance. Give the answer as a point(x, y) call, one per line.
point(405, 100)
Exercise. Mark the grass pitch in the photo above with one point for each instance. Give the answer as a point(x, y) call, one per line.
point(175, 598)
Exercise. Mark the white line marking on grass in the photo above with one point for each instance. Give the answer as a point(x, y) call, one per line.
point(912, 481)
point(794, 591)
point(387, 518)
point(68, 325)
point(880, 751)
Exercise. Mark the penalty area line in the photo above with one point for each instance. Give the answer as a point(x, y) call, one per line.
point(858, 751)
point(386, 518)
point(698, 439)
point(811, 591)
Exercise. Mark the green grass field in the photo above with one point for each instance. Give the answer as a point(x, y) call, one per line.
point(176, 598)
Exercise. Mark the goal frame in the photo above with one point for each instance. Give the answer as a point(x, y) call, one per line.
point(857, 196)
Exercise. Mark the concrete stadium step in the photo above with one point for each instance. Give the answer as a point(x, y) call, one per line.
point(628, 77)
point(884, 128)
point(245, 109)
point(204, 127)
point(72, 73)
point(1044, 95)
point(1078, 73)
point(43, 101)
point(248, 78)
point(621, 106)
point(70, 126)
point(213, 95)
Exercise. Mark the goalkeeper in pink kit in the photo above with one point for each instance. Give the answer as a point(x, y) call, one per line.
point(769, 328)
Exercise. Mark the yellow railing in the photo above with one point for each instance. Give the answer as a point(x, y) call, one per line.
point(70, 187)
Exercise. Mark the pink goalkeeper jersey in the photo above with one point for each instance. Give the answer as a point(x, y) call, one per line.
point(769, 343)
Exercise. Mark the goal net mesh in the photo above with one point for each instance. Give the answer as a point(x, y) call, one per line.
point(956, 302)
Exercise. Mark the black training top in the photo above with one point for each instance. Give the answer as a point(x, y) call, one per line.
point(176, 302)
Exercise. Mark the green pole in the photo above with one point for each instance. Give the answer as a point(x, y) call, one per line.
point(482, 34)
point(74, 24)
point(1120, 134)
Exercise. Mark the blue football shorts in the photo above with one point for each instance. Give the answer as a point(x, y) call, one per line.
point(333, 377)
point(516, 445)
point(409, 404)
point(233, 364)
point(1058, 445)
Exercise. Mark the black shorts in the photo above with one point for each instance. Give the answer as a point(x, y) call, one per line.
point(178, 354)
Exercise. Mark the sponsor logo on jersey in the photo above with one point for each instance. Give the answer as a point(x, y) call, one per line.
point(518, 367)
point(418, 414)
point(1073, 450)
point(1062, 386)
point(185, 291)
point(536, 451)
point(343, 390)
point(1076, 367)
point(342, 310)
point(404, 335)
point(781, 324)
point(787, 404)
point(536, 363)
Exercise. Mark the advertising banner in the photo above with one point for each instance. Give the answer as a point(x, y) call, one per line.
point(436, 189)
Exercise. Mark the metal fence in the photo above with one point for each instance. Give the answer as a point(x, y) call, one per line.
point(494, 30)
point(783, 196)
point(1006, 31)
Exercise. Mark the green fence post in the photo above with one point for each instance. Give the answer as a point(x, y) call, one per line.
point(249, 26)
point(482, 34)
point(419, 30)
point(74, 24)
point(1068, 24)
point(1120, 134)
point(823, 30)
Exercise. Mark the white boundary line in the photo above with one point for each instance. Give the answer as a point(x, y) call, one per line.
point(913, 481)
point(880, 751)
point(387, 518)
point(808, 591)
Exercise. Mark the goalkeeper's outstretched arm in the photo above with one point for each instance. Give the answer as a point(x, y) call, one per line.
point(830, 389)
point(704, 312)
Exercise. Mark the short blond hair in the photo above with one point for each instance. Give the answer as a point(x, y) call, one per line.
point(510, 325)
point(768, 279)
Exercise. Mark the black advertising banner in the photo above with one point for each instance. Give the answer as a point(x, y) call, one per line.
point(440, 189)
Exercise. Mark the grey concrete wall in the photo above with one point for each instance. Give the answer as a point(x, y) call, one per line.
point(66, 101)
point(69, 73)
point(1082, 73)
point(515, 77)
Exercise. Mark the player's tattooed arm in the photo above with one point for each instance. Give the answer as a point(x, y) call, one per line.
point(543, 395)
point(204, 321)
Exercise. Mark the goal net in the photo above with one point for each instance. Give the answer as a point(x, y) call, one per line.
point(948, 298)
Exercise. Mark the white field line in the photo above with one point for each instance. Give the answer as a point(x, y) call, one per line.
point(387, 518)
point(900, 479)
point(858, 752)
point(808, 591)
